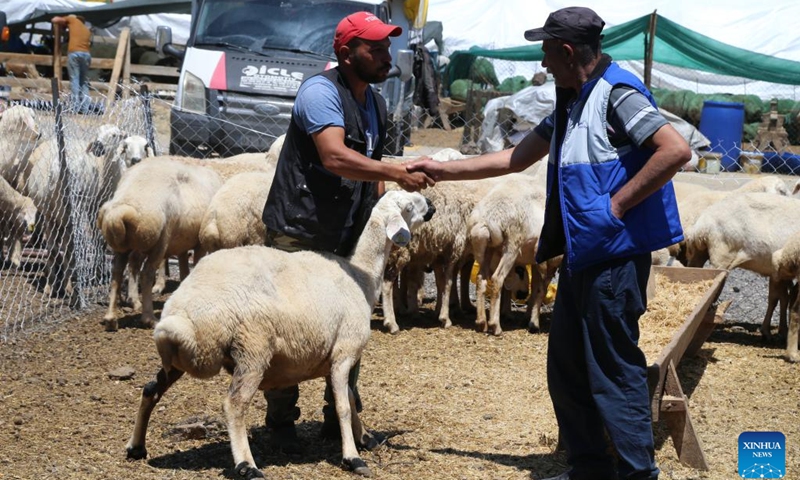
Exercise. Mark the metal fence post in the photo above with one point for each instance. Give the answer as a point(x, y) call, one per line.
point(149, 128)
point(65, 266)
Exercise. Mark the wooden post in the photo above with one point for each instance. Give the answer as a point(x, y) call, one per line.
point(675, 412)
point(126, 71)
point(122, 48)
point(57, 52)
point(650, 40)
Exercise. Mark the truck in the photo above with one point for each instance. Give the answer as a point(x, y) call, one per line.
point(244, 61)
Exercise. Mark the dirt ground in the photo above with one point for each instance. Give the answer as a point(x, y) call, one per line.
point(455, 404)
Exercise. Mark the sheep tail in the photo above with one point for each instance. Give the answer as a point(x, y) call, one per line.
point(209, 236)
point(171, 334)
point(114, 222)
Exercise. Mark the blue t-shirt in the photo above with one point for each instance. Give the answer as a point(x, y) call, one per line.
point(318, 106)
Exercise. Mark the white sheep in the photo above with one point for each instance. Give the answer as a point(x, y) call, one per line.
point(274, 151)
point(692, 201)
point(245, 310)
point(61, 197)
point(233, 218)
point(119, 152)
point(683, 189)
point(504, 230)
point(163, 223)
point(441, 244)
point(745, 231)
point(19, 134)
point(786, 265)
point(17, 215)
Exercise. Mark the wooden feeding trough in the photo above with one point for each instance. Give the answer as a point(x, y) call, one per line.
point(667, 399)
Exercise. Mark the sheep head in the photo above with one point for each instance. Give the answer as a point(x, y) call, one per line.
point(407, 212)
point(21, 120)
point(108, 137)
point(133, 149)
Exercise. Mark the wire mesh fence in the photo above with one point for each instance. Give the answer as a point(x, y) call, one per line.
point(750, 126)
point(58, 166)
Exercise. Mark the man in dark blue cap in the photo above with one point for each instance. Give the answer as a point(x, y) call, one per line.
point(610, 203)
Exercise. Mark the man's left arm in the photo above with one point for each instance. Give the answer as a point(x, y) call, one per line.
point(670, 153)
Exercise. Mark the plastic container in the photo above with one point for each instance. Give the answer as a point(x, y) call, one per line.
point(710, 162)
point(785, 163)
point(751, 162)
point(722, 123)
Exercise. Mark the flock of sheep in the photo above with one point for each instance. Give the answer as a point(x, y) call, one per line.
point(242, 309)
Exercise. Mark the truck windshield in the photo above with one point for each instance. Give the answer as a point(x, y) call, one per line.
point(263, 25)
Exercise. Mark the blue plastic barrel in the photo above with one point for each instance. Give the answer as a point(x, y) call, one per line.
point(723, 123)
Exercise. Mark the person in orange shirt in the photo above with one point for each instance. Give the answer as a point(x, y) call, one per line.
point(78, 59)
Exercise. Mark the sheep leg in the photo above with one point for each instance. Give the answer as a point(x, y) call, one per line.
point(536, 298)
point(162, 272)
point(479, 251)
point(402, 290)
point(785, 300)
point(791, 338)
point(444, 285)
point(148, 276)
point(480, 295)
point(500, 274)
point(777, 293)
point(455, 303)
point(117, 268)
point(480, 301)
point(134, 272)
point(466, 272)
point(414, 278)
point(197, 254)
point(342, 401)
point(387, 295)
point(390, 275)
point(358, 428)
point(183, 265)
point(15, 249)
point(151, 394)
point(244, 385)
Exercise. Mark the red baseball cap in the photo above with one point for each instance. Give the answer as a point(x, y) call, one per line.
point(362, 25)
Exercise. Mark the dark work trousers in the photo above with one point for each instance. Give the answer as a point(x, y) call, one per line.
point(596, 373)
point(282, 407)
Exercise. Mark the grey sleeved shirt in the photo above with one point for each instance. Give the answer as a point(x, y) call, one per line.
point(630, 117)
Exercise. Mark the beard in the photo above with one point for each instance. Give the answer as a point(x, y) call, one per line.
point(369, 73)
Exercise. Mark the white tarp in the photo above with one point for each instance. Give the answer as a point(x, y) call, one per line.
point(142, 26)
point(764, 27)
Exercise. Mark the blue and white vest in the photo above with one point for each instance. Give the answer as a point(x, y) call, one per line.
point(588, 171)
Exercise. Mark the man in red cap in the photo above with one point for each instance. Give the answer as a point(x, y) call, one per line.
point(329, 176)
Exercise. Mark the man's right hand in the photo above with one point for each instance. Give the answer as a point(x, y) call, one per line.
point(414, 181)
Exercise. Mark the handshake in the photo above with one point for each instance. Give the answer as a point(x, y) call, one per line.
point(419, 174)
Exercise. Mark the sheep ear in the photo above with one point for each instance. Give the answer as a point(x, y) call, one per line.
point(397, 231)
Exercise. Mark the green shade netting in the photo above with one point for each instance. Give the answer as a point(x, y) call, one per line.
point(674, 45)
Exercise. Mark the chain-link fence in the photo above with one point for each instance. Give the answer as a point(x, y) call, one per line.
point(58, 161)
point(57, 166)
point(751, 126)
point(206, 122)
